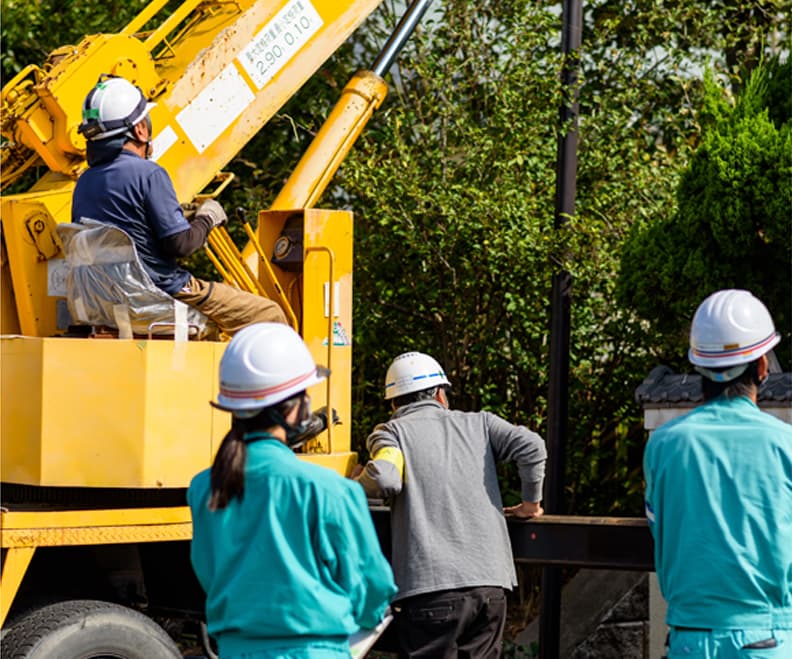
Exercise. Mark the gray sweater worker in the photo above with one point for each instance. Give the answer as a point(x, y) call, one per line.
point(448, 526)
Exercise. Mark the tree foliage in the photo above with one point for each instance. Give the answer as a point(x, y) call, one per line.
point(733, 225)
point(453, 188)
point(33, 28)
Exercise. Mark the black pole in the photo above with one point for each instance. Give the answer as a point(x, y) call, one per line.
point(561, 303)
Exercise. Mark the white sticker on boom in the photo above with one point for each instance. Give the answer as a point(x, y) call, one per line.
point(278, 41)
point(162, 142)
point(215, 108)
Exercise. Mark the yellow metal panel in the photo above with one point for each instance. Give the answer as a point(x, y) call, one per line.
point(331, 230)
point(9, 319)
point(27, 221)
point(327, 244)
point(56, 519)
point(182, 379)
point(92, 415)
point(132, 414)
point(20, 410)
point(341, 463)
point(94, 527)
point(95, 535)
point(108, 413)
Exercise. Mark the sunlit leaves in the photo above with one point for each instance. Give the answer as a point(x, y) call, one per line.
point(733, 226)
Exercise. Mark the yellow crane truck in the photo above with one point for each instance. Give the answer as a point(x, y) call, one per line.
point(102, 431)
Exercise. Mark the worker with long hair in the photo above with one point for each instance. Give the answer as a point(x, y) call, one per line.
point(285, 550)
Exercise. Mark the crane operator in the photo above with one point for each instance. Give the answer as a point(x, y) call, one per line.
point(123, 187)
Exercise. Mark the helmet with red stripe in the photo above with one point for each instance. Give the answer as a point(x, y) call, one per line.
point(731, 328)
point(264, 364)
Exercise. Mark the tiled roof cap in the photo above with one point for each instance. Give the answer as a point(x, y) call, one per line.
point(662, 385)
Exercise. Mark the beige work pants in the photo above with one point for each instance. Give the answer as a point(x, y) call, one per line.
point(229, 308)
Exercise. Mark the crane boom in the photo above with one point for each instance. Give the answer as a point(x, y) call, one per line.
point(217, 70)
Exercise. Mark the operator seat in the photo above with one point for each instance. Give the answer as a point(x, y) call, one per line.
point(107, 286)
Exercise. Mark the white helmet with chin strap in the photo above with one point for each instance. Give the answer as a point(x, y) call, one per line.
point(411, 372)
point(731, 328)
point(264, 364)
point(113, 107)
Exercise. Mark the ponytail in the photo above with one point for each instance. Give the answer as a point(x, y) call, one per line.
point(228, 468)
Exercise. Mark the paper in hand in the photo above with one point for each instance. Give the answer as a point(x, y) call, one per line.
point(362, 641)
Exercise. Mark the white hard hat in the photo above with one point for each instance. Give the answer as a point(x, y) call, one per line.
point(112, 108)
point(413, 371)
point(264, 364)
point(730, 328)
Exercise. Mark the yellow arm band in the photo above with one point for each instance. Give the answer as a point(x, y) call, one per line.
point(392, 455)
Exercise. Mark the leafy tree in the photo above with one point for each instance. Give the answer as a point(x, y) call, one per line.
point(733, 227)
point(453, 189)
point(31, 29)
point(444, 235)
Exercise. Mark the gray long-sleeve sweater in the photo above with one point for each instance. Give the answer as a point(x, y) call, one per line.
point(448, 528)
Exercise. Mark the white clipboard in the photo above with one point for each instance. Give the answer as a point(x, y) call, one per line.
point(362, 641)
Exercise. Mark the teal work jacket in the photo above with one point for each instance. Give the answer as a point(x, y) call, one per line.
point(295, 564)
point(719, 505)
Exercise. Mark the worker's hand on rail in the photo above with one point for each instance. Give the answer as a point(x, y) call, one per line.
point(525, 510)
point(213, 211)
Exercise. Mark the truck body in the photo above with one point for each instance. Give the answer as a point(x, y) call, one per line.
point(101, 436)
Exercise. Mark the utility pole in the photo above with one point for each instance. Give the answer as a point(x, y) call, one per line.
point(561, 303)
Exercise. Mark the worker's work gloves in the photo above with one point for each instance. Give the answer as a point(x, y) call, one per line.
point(209, 210)
point(212, 211)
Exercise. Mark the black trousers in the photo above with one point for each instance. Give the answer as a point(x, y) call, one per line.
point(452, 624)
